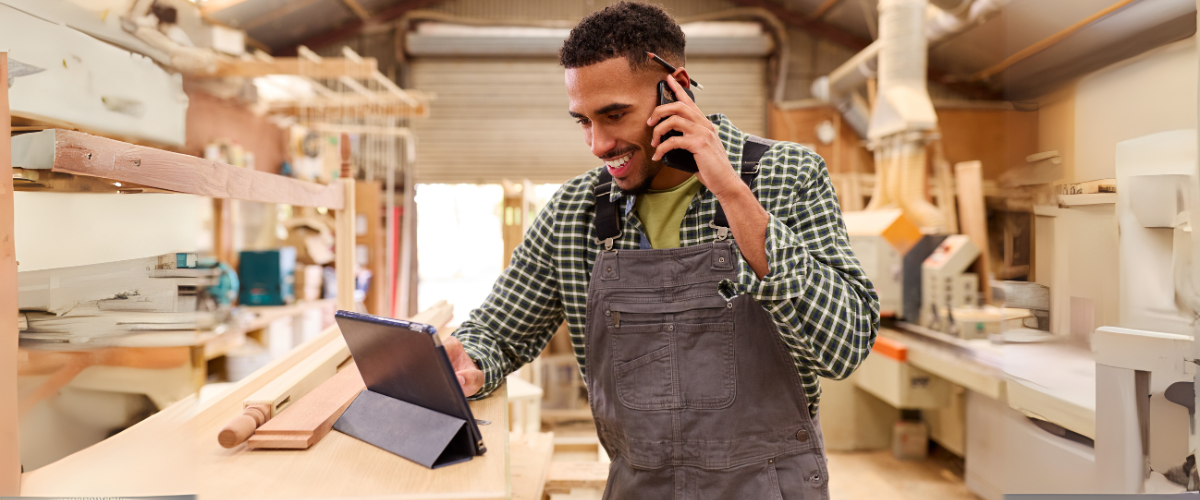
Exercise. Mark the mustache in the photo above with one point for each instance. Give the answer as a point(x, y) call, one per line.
point(619, 153)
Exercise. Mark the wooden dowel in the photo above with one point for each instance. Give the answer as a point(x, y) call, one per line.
point(241, 428)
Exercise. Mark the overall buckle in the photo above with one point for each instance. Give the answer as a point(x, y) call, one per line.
point(722, 232)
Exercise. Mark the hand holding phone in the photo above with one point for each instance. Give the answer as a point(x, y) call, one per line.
point(681, 159)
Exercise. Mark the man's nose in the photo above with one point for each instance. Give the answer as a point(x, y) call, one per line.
point(602, 142)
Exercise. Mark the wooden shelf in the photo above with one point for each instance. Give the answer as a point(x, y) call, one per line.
point(325, 68)
point(69, 152)
point(1075, 200)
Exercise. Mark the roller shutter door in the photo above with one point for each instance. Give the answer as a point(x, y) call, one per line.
point(506, 117)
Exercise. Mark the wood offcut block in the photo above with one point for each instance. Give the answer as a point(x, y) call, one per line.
point(310, 419)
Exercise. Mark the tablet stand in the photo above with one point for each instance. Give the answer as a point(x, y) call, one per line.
point(419, 434)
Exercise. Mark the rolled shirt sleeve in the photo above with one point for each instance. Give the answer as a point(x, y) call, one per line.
point(816, 291)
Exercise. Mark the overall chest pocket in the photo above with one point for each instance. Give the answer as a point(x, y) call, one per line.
point(671, 355)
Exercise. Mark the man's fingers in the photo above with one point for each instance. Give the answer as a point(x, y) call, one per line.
point(671, 123)
point(667, 110)
point(680, 95)
point(678, 142)
point(471, 381)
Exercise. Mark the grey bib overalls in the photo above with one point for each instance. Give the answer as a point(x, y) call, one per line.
point(694, 397)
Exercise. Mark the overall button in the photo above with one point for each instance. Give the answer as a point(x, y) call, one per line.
point(802, 435)
point(670, 328)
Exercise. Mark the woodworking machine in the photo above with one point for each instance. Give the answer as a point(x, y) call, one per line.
point(946, 285)
point(1146, 365)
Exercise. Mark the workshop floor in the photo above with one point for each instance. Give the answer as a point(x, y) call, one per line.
point(878, 475)
point(869, 475)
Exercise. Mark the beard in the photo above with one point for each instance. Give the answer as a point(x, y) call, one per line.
point(649, 172)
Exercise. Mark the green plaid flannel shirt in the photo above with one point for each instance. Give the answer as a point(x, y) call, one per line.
point(824, 304)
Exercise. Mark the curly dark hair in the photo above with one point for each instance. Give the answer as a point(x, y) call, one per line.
point(624, 29)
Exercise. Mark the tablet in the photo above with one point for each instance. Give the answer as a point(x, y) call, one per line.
point(406, 361)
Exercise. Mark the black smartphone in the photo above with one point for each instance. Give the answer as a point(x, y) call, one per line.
point(681, 159)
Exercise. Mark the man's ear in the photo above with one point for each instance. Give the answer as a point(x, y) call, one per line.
point(681, 75)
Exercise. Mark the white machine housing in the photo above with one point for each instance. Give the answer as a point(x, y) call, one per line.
point(946, 285)
point(1141, 434)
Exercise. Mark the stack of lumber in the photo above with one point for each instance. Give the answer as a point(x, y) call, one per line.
point(152, 301)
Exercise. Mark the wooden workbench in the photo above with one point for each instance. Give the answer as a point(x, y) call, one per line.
point(175, 452)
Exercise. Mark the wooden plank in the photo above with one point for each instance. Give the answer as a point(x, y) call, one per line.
point(167, 453)
point(968, 178)
point(326, 68)
point(77, 153)
point(344, 467)
point(344, 246)
point(368, 207)
point(531, 464)
point(565, 476)
point(351, 106)
point(10, 449)
point(312, 417)
point(306, 376)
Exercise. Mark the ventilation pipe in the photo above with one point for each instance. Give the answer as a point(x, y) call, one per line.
point(942, 19)
point(841, 87)
point(903, 116)
point(955, 16)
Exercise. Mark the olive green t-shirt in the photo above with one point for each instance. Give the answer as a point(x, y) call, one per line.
point(662, 211)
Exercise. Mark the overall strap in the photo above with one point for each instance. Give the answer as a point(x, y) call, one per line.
point(608, 218)
point(752, 152)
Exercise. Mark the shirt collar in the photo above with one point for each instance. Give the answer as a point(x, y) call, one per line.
point(731, 137)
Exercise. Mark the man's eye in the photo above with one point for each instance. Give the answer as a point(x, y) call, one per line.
point(615, 117)
point(582, 121)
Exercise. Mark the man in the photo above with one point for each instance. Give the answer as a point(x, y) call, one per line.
point(700, 336)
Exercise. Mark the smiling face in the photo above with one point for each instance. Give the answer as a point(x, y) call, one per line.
point(612, 102)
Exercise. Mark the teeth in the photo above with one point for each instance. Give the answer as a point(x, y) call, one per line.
point(618, 162)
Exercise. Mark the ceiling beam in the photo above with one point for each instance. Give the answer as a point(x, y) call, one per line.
point(276, 14)
point(353, 28)
point(822, 9)
point(211, 6)
point(358, 9)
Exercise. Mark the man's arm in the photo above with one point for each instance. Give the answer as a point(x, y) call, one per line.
point(517, 319)
point(818, 294)
point(795, 255)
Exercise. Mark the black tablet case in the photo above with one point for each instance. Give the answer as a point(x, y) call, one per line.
point(413, 406)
